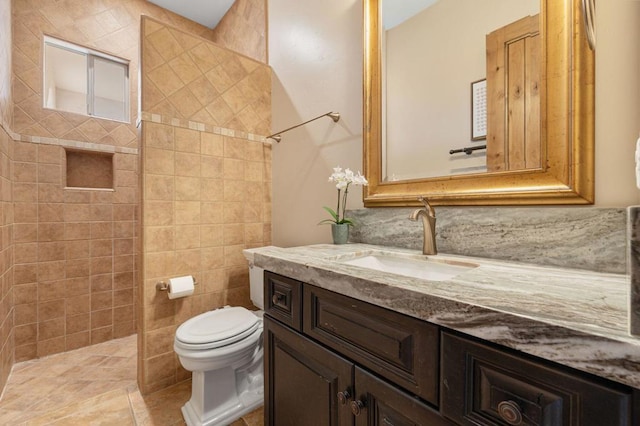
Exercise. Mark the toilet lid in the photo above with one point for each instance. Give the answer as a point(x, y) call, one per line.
point(217, 328)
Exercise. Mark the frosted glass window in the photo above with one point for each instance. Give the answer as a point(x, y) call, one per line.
point(109, 89)
point(83, 81)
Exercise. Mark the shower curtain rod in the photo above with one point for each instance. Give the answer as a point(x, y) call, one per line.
point(335, 116)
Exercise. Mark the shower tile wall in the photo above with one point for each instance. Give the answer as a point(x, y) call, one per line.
point(74, 258)
point(6, 265)
point(6, 206)
point(244, 29)
point(74, 254)
point(62, 304)
point(206, 181)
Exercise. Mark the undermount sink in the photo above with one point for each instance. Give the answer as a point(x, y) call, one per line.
point(426, 268)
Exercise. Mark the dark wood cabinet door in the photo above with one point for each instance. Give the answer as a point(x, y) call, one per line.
point(303, 380)
point(486, 386)
point(378, 403)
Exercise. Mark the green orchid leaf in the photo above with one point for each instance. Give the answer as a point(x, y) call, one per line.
point(333, 214)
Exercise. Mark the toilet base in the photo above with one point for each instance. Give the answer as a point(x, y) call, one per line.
point(219, 397)
point(246, 403)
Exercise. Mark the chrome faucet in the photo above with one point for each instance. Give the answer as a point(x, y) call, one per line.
point(428, 215)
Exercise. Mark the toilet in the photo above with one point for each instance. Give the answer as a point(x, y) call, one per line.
point(223, 350)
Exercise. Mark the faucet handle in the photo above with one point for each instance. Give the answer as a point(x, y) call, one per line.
point(428, 206)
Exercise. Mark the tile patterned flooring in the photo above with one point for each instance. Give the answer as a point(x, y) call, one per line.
point(95, 385)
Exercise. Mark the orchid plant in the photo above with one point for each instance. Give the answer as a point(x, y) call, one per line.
point(343, 179)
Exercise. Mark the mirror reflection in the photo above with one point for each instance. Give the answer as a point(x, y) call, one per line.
point(460, 87)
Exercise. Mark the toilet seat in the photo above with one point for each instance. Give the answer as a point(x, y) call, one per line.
point(215, 329)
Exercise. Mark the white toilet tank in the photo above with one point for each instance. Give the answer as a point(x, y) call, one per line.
point(256, 283)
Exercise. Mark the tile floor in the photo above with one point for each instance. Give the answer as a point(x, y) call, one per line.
point(95, 385)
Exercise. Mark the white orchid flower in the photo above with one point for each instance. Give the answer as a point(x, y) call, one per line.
point(343, 178)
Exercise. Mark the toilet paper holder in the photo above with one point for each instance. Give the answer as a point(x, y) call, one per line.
point(164, 286)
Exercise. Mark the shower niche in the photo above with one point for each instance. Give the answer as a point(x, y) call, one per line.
point(89, 169)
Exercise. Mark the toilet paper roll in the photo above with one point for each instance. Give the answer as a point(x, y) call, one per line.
point(180, 287)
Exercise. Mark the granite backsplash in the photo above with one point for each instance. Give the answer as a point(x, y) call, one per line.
point(590, 238)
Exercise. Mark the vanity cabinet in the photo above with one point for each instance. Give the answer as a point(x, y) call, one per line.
point(334, 360)
point(342, 378)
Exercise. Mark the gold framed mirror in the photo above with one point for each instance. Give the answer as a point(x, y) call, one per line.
point(565, 172)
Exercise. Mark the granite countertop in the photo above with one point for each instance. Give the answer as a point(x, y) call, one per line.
point(573, 317)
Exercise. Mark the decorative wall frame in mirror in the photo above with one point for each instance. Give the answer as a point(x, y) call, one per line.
point(566, 173)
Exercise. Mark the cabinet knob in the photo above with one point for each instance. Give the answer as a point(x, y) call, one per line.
point(510, 412)
point(356, 407)
point(277, 298)
point(344, 397)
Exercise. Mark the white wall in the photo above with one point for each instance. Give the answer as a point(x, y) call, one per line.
point(315, 49)
point(617, 101)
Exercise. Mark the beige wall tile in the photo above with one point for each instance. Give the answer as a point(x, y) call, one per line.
point(50, 173)
point(212, 144)
point(187, 213)
point(51, 212)
point(158, 213)
point(211, 235)
point(212, 189)
point(158, 136)
point(101, 265)
point(235, 148)
point(76, 231)
point(26, 212)
point(25, 273)
point(187, 140)
point(25, 172)
point(187, 237)
point(26, 313)
point(51, 251)
point(158, 187)
point(51, 310)
point(78, 323)
point(187, 188)
point(25, 252)
point(25, 293)
point(235, 190)
point(233, 169)
point(75, 286)
point(77, 268)
point(25, 232)
point(51, 329)
point(187, 164)
point(212, 212)
point(51, 232)
point(101, 283)
point(25, 151)
point(79, 249)
point(105, 229)
point(233, 212)
point(77, 305)
point(159, 161)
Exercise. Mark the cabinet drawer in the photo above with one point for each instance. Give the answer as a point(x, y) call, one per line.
point(402, 349)
point(483, 385)
point(283, 299)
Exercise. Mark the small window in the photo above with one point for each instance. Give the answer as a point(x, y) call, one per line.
point(81, 80)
